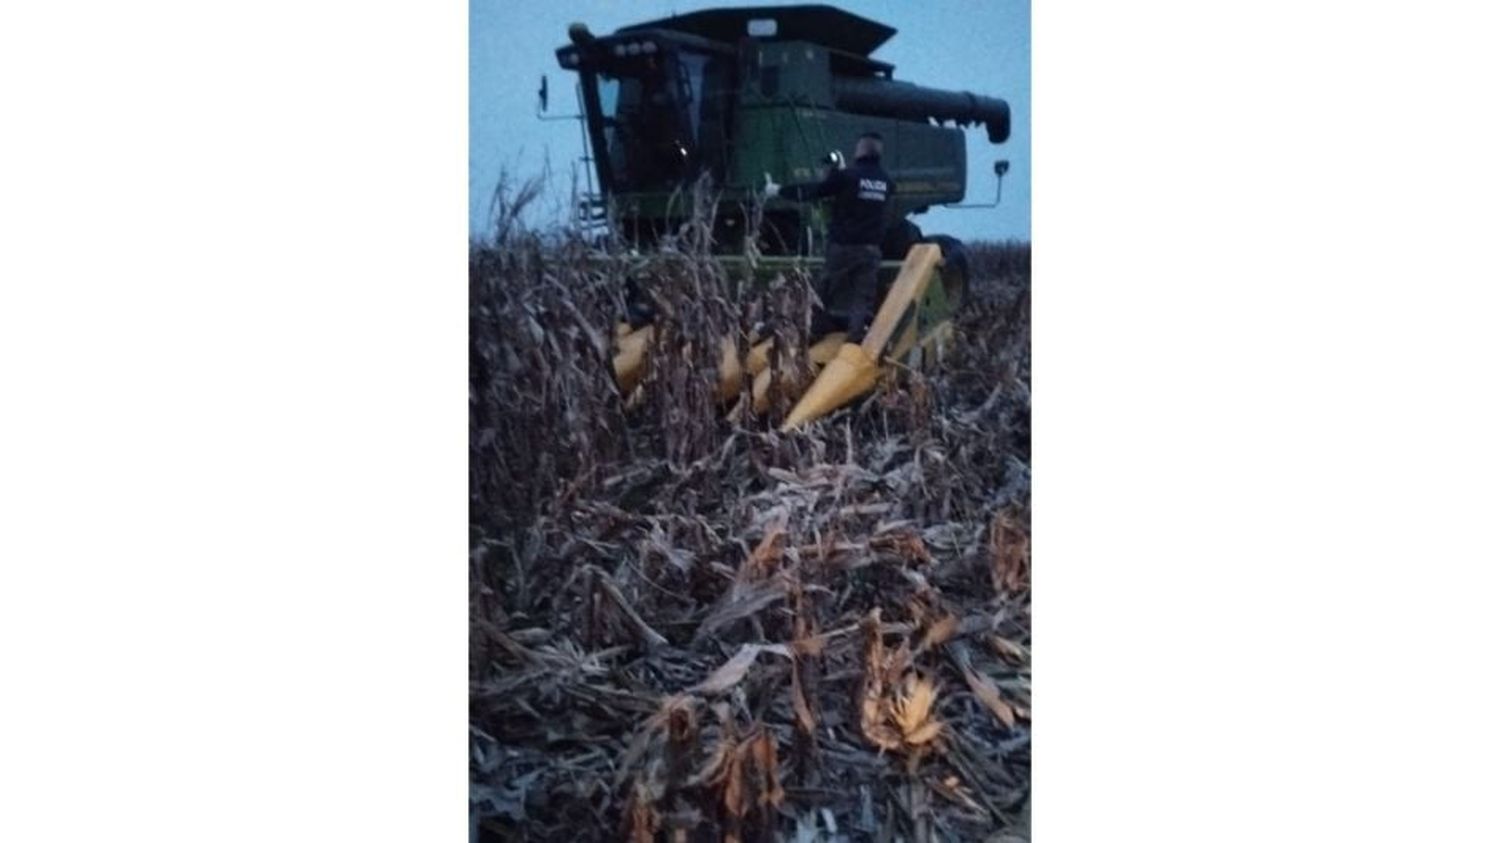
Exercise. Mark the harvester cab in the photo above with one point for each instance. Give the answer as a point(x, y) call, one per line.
point(734, 95)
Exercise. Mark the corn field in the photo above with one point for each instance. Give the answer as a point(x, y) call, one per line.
point(687, 626)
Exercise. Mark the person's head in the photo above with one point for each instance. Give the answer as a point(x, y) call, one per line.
point(869, 145)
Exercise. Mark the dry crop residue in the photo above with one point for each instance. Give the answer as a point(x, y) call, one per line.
point(687, 627)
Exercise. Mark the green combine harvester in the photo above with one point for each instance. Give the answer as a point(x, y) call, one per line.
point(732, 95)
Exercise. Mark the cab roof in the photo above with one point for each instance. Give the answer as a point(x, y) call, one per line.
point(823, 25)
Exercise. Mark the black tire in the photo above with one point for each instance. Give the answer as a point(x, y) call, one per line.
point(955, 271)
point(899, 239)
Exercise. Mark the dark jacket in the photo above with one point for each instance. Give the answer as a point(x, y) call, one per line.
point(860, 194)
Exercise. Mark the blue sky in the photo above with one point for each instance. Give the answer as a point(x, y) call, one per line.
point(958, 44)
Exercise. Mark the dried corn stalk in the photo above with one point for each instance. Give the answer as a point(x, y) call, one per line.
point(938, 632)
point(896, 707)
point(806, 645)
point(767, 555)
point(762, 754)
point(643, 818)
point(912, 711)
point(872, 696)
point(1010, 554)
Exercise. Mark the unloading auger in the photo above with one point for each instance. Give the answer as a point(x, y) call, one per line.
point(912, 327)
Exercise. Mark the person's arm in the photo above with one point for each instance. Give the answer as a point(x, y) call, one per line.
point(827, 187)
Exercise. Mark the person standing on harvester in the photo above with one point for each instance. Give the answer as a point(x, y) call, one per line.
point(860, 194)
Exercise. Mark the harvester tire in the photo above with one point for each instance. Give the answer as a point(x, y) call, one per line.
point(955, 272)
point(899, 239)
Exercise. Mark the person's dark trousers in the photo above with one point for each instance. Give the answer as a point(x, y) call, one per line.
point(848, 289)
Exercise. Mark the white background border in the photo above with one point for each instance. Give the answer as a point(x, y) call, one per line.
point(232, 491)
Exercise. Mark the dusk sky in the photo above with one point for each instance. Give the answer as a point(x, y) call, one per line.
point(984, 48)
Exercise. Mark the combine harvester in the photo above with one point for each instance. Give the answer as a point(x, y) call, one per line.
point(737, 94)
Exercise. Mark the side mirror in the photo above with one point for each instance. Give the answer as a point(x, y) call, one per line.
point(1001, 168)
point(541, 94)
